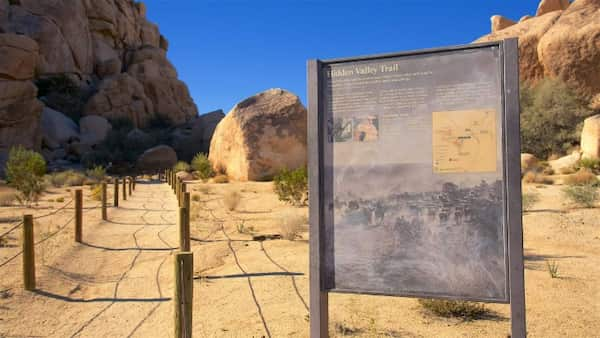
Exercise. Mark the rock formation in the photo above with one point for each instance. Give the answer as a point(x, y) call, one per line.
point(195, 136)
point(157, 159)
point(114, 54)
point(561, 41)
point(590, 137)
point(260, 136)
point(499, 23)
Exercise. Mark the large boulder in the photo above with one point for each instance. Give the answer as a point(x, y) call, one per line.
point(157, 159)
point(499, 23)
point(194, 137)
point(121, 96)
point(20, 113)
point(61, 30)
point(561, 42)
point(93, 129)
point(260, 136)
point(590, 137)
point(528, 162)
point(18, 57)
point(547, 6)
point(57, 129)
point(565, 164)
point(170, 97)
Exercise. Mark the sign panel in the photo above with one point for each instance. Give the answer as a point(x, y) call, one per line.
point(413, 175)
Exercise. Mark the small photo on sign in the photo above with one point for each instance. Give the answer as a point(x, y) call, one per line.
point(366, 129)
point(342, 130)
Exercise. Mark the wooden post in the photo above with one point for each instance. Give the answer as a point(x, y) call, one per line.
point(168, 176)
point(184, 266)
point(184, 230)
point(124, 188)
point(28, 254)
point(78, 214)
point(104, 217)
point(178, 190)
point(130, 185)
point(187, 204)
point(133, 179)
point(116, 193)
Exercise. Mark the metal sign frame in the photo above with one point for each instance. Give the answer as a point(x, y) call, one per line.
point(512, 180)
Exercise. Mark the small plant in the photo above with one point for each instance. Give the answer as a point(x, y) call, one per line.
point(243, 229)
point(205, 189)
point(25, 171)
point(533, 177)
point(291, 226)
point(181, 166)
point(96, 192)
point(7, 199)
point(196, 198)
point(529, 199)
point(74, 178)
point(592, 164)
point(454, 308)
point(292, 186)
point(202, 167)
point(581, 195)
point(345, 330)
point(97, 173)
point(232, 200)
point(221, 179)
point(60, 199)
point(582, 177)
point(552, 268)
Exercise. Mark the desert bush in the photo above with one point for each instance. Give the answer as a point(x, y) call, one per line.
point(533, 177)
point(453, 308)
point(292, 186)
point(60, 199)
point(581, 195)
point(205, 189)
point(7, 199)
point(25, 171)
point(529, 199)
point(232, 199)
point(97, 173)
point(291, 226)
point(552, 269)
point(243, 229)
point(221, 179)
point(567, 170)
point(196, 198)
point(592, 164)
point(582, 177)
point(96, 192)
point(202, 166)
point(545, 168)
point(551, 118)
point(69, 178)
point(181, 166)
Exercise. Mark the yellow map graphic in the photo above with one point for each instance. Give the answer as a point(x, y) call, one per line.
point(464, 141)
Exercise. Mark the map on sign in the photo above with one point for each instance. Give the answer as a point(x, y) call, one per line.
point(464, 141)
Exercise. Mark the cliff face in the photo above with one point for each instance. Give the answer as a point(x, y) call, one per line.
point(113, 54)
point(562, 40)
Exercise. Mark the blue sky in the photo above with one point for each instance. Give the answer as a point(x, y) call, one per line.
point(227, 50)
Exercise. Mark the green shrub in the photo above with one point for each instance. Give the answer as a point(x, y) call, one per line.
point(551, 118)
point(552, 267)
point(591, 164)
point(581, 195)
point(98, 173)
point(25, 171)
point(60, 199)
point(529, 199)
point(454, 308)
point(292, 186)
point(202, 166)
point(181, 166)
point(96, 192)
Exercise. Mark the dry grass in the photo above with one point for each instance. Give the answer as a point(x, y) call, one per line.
point(196, 198)
point(232, 199)
point(453, 308)
point(96, 192)
point(582, 177)
point(205, 189)
point(533, 177)
point(221, 179)
point(291, 226)
point(7, 199)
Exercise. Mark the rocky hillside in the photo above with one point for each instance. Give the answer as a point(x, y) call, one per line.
point(562, 40)
point(83, 58)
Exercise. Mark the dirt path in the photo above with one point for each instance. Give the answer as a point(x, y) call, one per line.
point(110, 285)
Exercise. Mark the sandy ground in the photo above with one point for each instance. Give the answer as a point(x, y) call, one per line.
point(119, 282)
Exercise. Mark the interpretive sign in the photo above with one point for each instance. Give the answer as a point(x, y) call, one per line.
point(415, 179)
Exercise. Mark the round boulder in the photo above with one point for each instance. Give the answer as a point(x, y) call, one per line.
point(590, 137)
point(93, 129)
point(157, 159)
point(57, 129)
